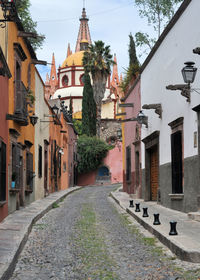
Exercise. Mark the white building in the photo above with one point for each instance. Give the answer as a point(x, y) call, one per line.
point(41, 140)
point(170, 149)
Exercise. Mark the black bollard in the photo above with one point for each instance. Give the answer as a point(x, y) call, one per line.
point(131, 203)
point(145, 212)
point(173, 228)
point(137, 205)
point(156, 219)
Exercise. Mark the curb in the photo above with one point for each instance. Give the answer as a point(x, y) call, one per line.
point(7, 269)
point(181, 253)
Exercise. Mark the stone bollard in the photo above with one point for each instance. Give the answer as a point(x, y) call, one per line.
point(145, 212)
point(156, 219)
point(131, 203)
point(137, 205)
point(173, 228)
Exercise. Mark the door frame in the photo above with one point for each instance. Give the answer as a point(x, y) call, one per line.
point(151, 141)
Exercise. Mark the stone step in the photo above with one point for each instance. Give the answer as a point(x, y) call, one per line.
point(194, 216)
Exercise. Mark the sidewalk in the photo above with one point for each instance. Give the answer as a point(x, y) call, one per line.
point(186, 245)
point(15, 228)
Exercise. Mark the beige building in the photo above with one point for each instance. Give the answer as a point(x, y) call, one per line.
point(41, 139)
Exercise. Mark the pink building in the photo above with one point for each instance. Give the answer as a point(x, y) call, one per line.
point(110, 172)
point(132, 132)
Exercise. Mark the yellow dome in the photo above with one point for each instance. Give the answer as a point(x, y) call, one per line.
point(74, 59)
point(84, 41)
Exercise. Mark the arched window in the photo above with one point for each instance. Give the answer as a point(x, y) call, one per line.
point(103, 171)
point(65, 81)
point(82, 79)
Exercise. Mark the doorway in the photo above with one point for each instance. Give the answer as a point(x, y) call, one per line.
point(154, 172)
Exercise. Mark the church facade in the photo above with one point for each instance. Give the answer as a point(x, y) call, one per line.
point(67, 83)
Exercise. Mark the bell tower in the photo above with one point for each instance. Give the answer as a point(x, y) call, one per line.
point(84, 32)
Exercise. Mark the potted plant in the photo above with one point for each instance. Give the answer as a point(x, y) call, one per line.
point(30, 96)
point(14, 177)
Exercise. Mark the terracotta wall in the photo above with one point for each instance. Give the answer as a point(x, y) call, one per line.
point(114, 162)
point(87, 179)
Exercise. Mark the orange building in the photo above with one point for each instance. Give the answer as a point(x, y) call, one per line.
point(62, 149)
point(4, 80)
point(21, 59)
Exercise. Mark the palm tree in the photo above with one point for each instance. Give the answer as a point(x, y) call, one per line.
point(97, 60)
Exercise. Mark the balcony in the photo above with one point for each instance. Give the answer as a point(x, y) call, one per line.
point(20, 115)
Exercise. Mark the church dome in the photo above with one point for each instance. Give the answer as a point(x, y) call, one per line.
point(74, 59)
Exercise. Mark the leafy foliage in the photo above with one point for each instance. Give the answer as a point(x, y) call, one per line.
point(78, 126)
point(144, 39)
point(158, 13)
point(91, 151)
point(88, 108)
point(29, 25)
point(134, 65)
point(97, 60)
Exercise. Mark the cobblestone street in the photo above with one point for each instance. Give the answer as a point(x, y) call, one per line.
point(86, 237)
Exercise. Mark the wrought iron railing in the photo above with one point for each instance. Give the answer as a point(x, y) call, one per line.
point(20, 99)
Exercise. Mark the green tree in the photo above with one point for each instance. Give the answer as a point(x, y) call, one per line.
point(134, 65)
point(91, 152)
point(158, 13)
point(133, 60)
point(88, 108)
point(97, 60)
point(70, 106)
point(29, 25)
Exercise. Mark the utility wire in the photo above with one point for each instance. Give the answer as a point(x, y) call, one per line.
point(92, 15)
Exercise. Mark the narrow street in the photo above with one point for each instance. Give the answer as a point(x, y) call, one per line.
point(85, 237)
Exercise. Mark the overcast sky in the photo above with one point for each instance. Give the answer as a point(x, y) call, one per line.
point(109, 20)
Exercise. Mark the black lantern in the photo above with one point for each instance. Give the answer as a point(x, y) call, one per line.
point(9, 11)
point(119, 133)
point(33, 119)
point(189, 72)
point(142, 119)
point(55, 109)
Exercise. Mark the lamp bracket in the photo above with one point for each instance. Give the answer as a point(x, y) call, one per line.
point(157, 107)
point(184, 88)
point(196, 50)
point(129, 120)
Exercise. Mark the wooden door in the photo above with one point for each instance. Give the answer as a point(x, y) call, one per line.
point(45, 168)
point(154, 167)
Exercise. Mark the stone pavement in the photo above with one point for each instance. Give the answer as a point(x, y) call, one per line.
point(14, 229)
point(186, 245)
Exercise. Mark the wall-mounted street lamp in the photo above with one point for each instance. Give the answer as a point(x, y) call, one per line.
point(157, 107)
point(33, 119)
point(141, 119)
point(119, 133)
point(55, 109)
point(189, 73)
point(9, 11)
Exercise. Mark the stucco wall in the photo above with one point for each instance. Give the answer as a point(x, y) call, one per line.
point(132, 135)
point(164, 69)
point(114, 162)
point(4, 135)
point(41, 132)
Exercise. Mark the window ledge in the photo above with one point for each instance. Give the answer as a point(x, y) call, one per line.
point(28, 191)
point(176, 196)
point(14, 190)
point(128, 182)
point(2, 203)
